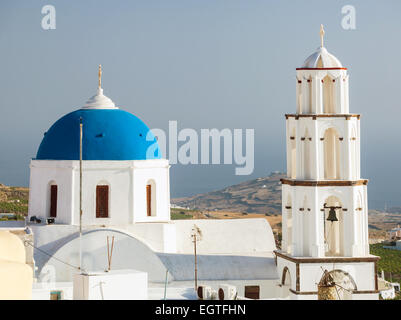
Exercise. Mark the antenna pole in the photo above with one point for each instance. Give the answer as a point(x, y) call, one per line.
point(80, 193)
point(165, 285)
point(100, 76)
point(196, 265)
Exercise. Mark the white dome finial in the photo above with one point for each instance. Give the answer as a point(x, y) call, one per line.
point(321, 35)
point(321, 58)
point(99, 100)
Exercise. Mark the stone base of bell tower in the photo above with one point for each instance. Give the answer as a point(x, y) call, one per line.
point(301, 275)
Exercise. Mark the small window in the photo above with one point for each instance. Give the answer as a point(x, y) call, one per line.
point(53, 201)
point(151, 207)
point(102, 201)
point(149, 200)
point(252, 292)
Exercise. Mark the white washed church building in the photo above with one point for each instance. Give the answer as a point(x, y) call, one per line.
point(126, 194)
point(124, 178)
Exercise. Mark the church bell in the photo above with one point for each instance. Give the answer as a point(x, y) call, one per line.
point(332, 215)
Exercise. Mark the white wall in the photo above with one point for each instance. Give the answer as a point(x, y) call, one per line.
point(142, 173)
point(309, 131)
point(310, 91)
point(226, 236)
point(159, 236)
point(62, 242)
point(42, 175)
point(127, 190)
point(355, 225)
point(111, 285)
point(362, 273)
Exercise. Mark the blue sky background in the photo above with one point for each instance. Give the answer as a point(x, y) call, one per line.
point(205, 63)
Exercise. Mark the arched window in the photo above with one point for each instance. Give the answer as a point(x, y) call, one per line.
point(151, 198)
point(328, 95)
point(285, 283)
point(304, 95)
point(332, 156)
point(102, 201)
point(334, 230)
point(286, 277)
point(53, 200)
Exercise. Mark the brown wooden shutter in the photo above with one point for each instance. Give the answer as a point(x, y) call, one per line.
point(53, 201)
point(252, 292)
point(149, 200)
point(102, 201)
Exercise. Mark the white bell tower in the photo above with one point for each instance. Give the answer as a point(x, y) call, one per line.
point(324, 199)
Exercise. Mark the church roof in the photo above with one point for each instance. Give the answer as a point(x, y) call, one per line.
point(321, 58)
point(108, 134)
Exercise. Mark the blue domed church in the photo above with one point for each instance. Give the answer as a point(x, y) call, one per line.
point(124, 179)
point(126, 196)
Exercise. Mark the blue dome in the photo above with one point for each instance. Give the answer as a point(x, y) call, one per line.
point(107, 135)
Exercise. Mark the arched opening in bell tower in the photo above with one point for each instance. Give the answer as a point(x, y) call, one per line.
point(328, 94)
point(285, 283)
point(306, 97)
point(332, 154)
point(333, 227)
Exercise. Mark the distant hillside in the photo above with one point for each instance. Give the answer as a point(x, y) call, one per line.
point(12, 193)
point(262, 195)
point(396, 210)
point(13, 199)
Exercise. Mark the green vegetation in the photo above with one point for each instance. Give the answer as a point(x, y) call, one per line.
point(390, 259)
point(14, 217)
point(13, 207)
point(179, 214)
point(21, 201)
point(390, 263)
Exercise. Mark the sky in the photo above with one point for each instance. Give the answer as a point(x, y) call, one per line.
point(205, 64)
